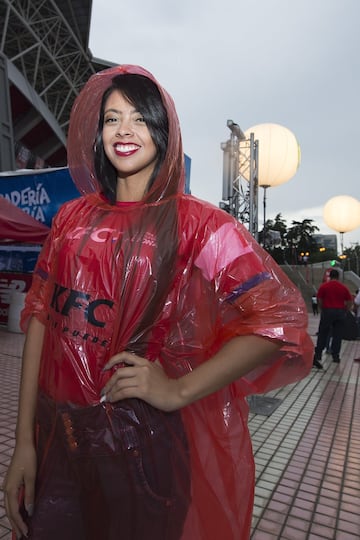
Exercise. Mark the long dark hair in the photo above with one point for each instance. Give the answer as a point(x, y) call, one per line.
point(144, 95)
point(161, 219)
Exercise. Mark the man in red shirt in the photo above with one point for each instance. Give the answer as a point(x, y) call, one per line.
point(334, 299)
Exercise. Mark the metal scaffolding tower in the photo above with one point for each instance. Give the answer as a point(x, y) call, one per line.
point(240, 178)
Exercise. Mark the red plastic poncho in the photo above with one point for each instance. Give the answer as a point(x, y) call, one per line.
point(104, 283)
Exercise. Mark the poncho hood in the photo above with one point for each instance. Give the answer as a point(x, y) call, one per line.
point(82, 132)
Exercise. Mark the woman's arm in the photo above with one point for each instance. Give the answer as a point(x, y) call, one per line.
point(148, 381)
point(29, 381)
point(22, 469)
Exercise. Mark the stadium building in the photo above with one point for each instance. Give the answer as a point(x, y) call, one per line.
point(44, 63)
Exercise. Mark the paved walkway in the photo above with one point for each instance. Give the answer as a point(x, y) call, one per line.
point(307, 455)
point(307, 451)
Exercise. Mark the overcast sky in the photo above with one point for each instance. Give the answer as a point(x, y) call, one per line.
point(289, 62)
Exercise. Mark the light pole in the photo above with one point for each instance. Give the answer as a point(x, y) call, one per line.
point(265, 187)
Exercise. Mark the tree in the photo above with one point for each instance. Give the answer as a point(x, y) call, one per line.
point(299, 238)
point(352, 261)
point(279, 224)
point(275, 240)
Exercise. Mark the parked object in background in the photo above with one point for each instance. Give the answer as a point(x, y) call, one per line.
point(350, 327)
point(17, 302)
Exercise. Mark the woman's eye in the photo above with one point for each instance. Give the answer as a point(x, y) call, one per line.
point(110, 120)
point(140, 119)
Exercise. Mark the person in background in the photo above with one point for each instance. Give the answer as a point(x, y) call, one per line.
point(357, 315)
point(151, 316)
point(328, 343)
point(314, 304)
point(334, 300)
point(357, 310)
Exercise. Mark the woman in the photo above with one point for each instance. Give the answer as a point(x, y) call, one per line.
point(151, 316)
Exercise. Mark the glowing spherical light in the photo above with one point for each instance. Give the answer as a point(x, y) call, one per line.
point(279, 154)
point(342, 213)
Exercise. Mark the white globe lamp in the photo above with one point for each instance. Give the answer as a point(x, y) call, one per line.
point(279, 154)
point(278, 160)
point(342, 213)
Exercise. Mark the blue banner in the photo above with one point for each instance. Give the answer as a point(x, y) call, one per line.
point(39, 193)
point(17, 258)
point(187, 174)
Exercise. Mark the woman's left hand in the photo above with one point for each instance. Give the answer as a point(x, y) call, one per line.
point(137, 377)
point(140, 378)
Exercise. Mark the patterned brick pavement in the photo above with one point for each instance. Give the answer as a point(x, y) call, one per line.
point(307, 452)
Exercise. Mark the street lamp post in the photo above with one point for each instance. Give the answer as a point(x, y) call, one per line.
point(265, 187)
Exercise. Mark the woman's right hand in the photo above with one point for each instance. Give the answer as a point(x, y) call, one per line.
point(20, 477)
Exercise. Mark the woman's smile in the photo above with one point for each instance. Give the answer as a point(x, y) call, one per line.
point(122, 149)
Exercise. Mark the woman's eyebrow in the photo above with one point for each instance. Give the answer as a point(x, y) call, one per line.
point(133, 111)
point(112, 110)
